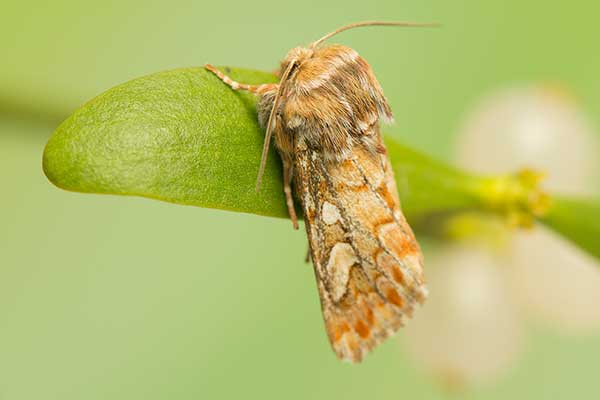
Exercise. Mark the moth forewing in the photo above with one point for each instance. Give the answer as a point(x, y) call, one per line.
point(324, 117)
point(367, 262)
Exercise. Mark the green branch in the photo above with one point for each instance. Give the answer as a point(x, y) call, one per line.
point(15, 108)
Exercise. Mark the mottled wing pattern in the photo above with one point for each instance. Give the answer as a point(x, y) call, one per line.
point(367, 262)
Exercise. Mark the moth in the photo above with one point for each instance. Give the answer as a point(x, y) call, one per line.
point(324, 115)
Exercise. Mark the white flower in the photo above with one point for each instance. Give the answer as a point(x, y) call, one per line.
point(556, 281)
point(536, 126)
point(470, 329)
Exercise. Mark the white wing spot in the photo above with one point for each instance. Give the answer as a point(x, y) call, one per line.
point(341, 258)
point(330, 213)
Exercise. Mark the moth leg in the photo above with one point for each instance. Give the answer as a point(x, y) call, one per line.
point(258, 89)
point(307, 257)
point(287, 189)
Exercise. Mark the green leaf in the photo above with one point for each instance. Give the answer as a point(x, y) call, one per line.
point(185, 137)
point(578, 220)
point(180, 136)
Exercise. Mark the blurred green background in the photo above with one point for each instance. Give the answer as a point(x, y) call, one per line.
point(125, 298)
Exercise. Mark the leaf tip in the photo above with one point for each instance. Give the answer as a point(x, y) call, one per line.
point(53, 162)
point(49, 164)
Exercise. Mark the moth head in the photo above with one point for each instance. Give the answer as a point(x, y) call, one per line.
point(297, 55)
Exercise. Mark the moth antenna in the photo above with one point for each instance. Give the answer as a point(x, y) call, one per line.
point(270, 124)
point(371, 23)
